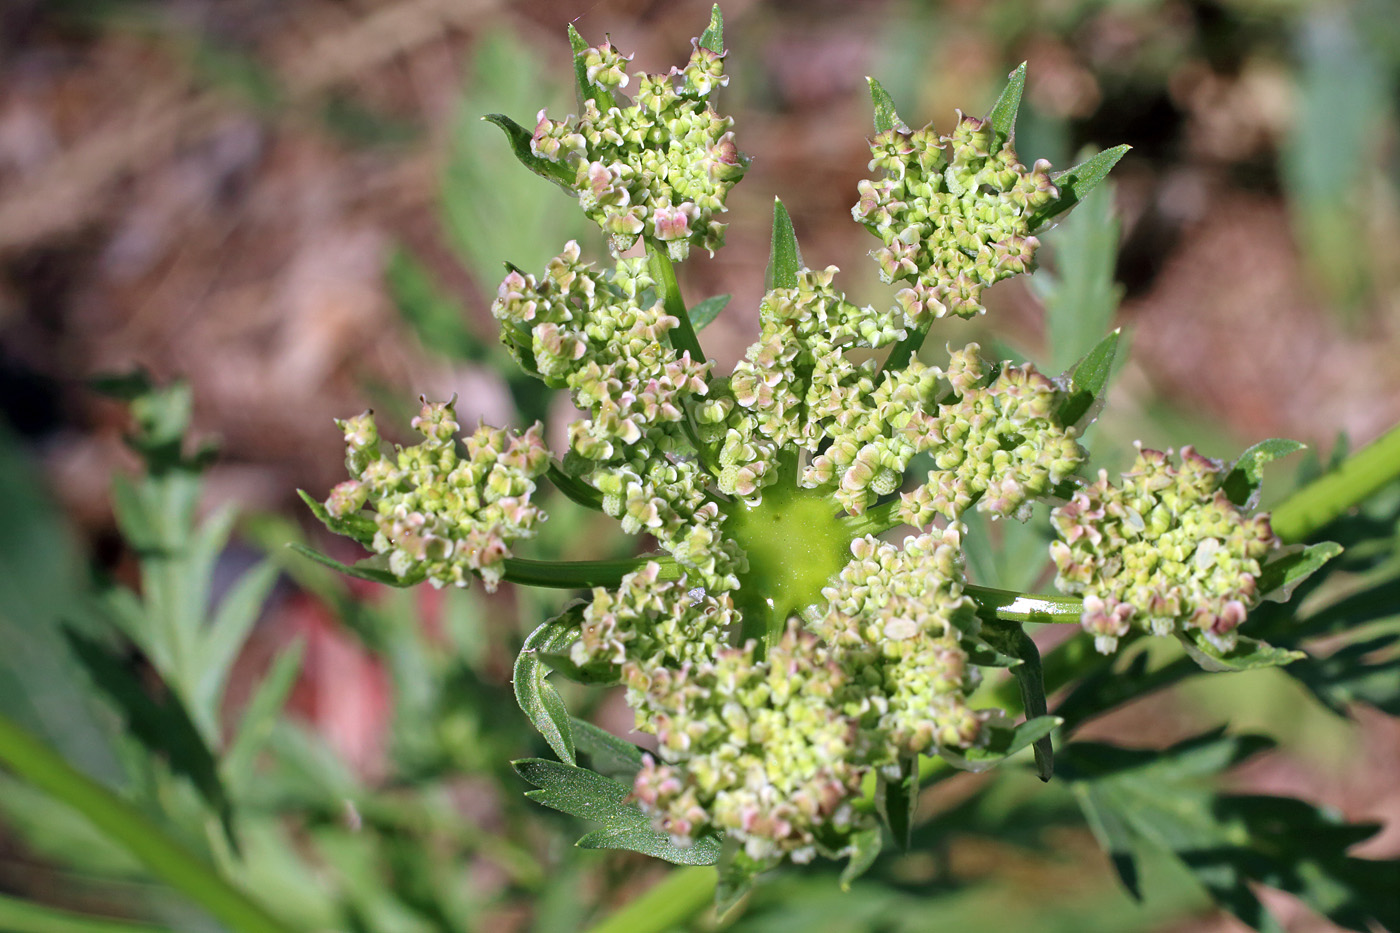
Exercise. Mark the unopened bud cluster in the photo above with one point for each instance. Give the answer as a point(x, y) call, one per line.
point(440, 516)
point(660, 167)
point(954, 214)
point(1167, 551)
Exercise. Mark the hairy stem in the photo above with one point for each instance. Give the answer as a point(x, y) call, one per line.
point(1318, 503)
point(167, 859)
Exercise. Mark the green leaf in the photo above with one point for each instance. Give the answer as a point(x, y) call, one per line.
point(737, 874)
point(1282, 575)
point(1241, 484)
point(706, 311)
point(1011, 637)
point(1087, 382)
point(587, 90)
point(1076, 183)
point(1080, 297)
point(1003, 113)
point(713, 36)
point(608, 754)
point(591, 796)
point(238, 612)
point(896, 798)
point(261, 715)
point(1145, 801)
point(519, 139)
point(785, 259)
point(1004, 741)
point(374, 569)
point(1366, 671)
point(358, 526)
point(536, 696)
point(163, 726)
point(591, 673)
point(864, 849)
point(885, 116)
point(1247, 655)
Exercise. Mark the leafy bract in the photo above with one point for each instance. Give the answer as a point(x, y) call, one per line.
point(1282, 575)
point(885, 117)
point(1087, 381)
point(1003, 742)
point(713, 36)
point(1242, 483)
point(356, 526)
point(591, 796)
point(608, 754)
point(519, 139)
point(896, 798)
point(533, 691)
point(1011, 638)
point(785, 259)
point(1247, 655)
point(1076, 183)
point(374, 569)
point(706, 311)
point(1002, 116)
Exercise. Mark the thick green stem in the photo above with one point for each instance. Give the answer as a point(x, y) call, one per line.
point(167, 859)
point(683, 336)
point(17, 916)
point(1318, 503)
point(574, 489)
point(1024, 607)
point(582, 574)
point(904, 351)
point(678, 897)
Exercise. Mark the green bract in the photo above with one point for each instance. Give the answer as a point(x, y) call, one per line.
point(782, 653)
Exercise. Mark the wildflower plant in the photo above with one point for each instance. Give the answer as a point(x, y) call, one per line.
point(800, 663)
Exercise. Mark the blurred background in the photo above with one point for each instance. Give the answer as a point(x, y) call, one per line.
point(293, 206)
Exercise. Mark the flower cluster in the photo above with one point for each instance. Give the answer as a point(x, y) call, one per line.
point(440, 516)
point(590, 332)
point(1165, 552)
point(954, 213)
point(996, 442)
point(660, 167)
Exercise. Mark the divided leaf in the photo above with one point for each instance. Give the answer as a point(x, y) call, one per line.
point(1143, 801)
point(608, 754)
point(1282, 575)
point(1366, 671)
point(737, 874)
point(1004, 742)
point(864, 848)
point(591, 796)
point(533, 691)
point(785, 259)
point(1241, 484)
point(1076, 183)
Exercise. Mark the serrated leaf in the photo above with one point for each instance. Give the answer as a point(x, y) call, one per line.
point(885, 116)
point(358, 526)
point(1011, 638)
point(1002, 116)
point(1087, 381)
point(591, 796)
point(519, 139)
point(1003, 742)
point(784, 259)
point(1076, 183)
point(261, 715)
point(238, 612)
point(864, 848)
point(706, 311)
point(533, 691)
point(1247, 655)
point(1145, 801)
point(1282, 575)
point(374, 569)
point(1241, 484)
point(896, 798)
point(713, 36)
point(608, 754)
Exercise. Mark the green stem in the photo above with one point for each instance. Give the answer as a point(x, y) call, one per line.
point(683, 336)
point(673, 900)
point(18, 916)
point(875, 520)
point(904, 351)
point(1309, 509)
point(582, 574)
point(167, 859)
point(1024, 607)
